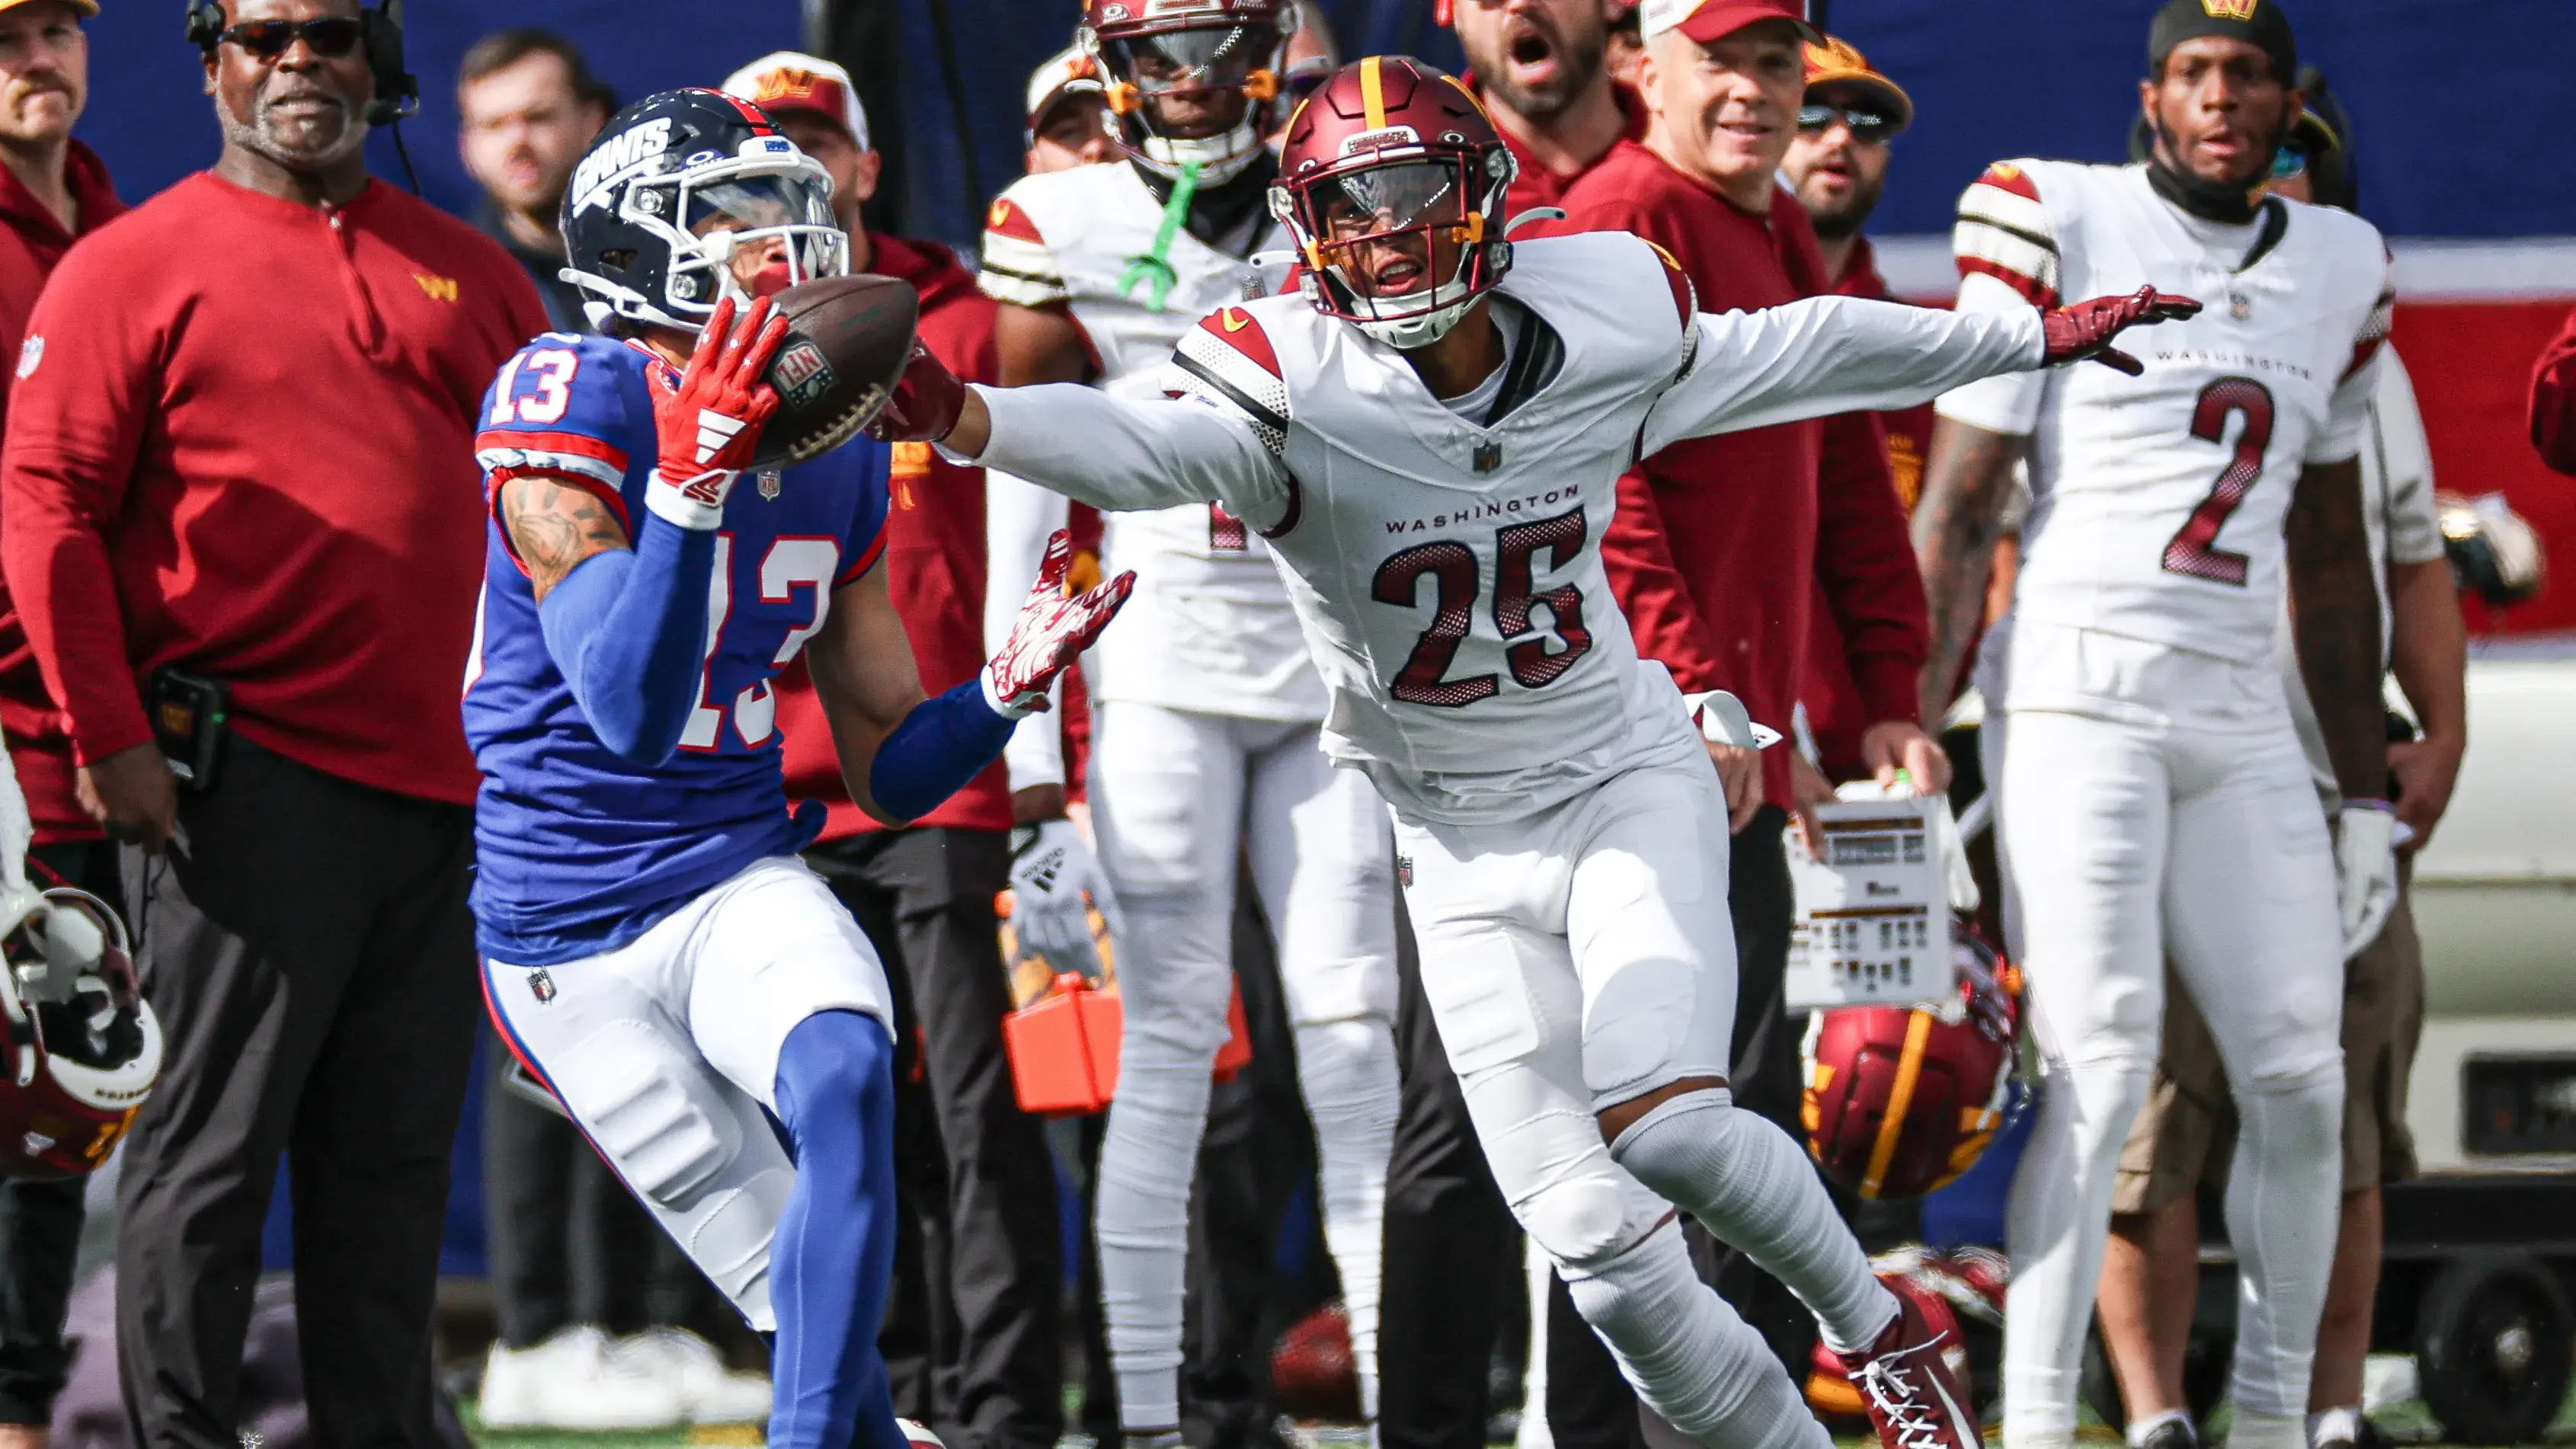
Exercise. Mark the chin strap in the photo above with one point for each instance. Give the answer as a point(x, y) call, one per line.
point(1153, 270)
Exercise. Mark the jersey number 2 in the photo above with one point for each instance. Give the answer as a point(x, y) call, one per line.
point(2193, 552)
point(1452, 567)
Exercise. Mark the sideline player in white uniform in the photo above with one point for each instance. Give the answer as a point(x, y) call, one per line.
point(1207, 707)
point(1431, 437)
point(2154, 798)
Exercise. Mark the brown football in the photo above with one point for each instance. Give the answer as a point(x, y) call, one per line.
point(847, 341)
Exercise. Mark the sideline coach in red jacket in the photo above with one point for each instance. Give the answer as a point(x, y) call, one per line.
point(981, 1289)
point(240, 465)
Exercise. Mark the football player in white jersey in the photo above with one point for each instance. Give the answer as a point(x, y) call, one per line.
point(1430, 434)
point(1206, 707)
point(2154, 799)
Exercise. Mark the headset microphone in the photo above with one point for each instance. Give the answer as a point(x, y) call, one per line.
point(380, 37)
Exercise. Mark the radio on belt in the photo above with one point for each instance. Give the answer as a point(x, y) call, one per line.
point(1873, 924)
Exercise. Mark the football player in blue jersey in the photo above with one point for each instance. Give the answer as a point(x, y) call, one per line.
point(654, 950)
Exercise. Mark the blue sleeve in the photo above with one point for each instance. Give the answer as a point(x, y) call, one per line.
point(945, 742)
point(628, 632)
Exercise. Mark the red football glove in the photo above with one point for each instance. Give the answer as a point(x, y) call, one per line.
point(1050, 631)
point(2085, 329)
point(707, 425)
point(926, 402)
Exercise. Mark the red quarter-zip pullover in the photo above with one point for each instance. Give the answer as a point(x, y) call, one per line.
point(1835, 711)
point(1720, 543)
point(242, 442)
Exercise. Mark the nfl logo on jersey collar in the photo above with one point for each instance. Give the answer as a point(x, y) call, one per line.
point(770, 485)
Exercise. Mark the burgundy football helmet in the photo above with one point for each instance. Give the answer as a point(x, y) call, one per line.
point(1901, 1100)
point(84, 1047)
point(1390, 147)
point(1148, 49)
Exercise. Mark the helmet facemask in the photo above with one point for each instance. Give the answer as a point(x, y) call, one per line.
point(1202, 64)
point(736, 227)
point(1372, 234)
point(72, 990)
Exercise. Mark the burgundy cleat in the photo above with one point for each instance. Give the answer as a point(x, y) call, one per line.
point(1913, 1381)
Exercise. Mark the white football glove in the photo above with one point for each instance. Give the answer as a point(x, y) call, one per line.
point(1050, 876)
point(2365, 871)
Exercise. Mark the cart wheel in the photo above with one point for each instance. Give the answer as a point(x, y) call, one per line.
point(2206, 1359)
point(2495, 1344)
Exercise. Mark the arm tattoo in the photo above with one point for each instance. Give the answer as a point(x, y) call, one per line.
point(1965, 486)
point(555, 525)
point(2335, 618)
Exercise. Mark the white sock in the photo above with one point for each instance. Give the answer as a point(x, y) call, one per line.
point(2267, 1431)
point(1148, 1155)
point(2342, 1424)
point(2057, 1220)
point(1347, 1069)
point(1754, 1189)
point(1687, 1354)
point(2141, 1430)
point(2287, 1180)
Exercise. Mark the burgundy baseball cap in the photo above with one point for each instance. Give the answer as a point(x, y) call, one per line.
point(1708, 20)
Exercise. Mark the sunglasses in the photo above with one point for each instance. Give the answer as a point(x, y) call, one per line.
point(2288, 162)
point(330, 37)
point(1866, 125)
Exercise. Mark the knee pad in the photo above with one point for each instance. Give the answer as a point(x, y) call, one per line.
point(659, 1116)
point(2319, 1074)
point(730, 1238)
point(1590, 1216)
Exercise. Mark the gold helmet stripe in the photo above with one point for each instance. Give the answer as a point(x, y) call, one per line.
point(1373, 92)
point(1900, 1100)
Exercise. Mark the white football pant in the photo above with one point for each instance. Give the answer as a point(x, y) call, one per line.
point(1175, 795)
point(2161, 806)
point(665, 1050)
point(1582, 957)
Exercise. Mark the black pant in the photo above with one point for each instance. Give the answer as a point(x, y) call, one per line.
point(980, 1260)
point(308, 952)
point(568, 1243)
point(1452, 1249)
point(1588, 1405)
point(40, 1222)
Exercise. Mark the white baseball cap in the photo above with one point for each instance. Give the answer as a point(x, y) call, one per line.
point(1067, 72)
point(1711, 20)
point(789, 80)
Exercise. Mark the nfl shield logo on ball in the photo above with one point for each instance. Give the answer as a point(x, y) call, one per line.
point(802, 373)
point(541, 986)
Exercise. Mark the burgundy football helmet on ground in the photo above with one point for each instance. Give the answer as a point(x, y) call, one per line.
point(84, 1047)
point(1901, 1100)
point(1390, 148)
point(1147, 49)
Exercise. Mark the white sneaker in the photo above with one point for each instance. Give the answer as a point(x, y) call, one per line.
point(918, 1435)
point(709, 1392)
point(572, 1381)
